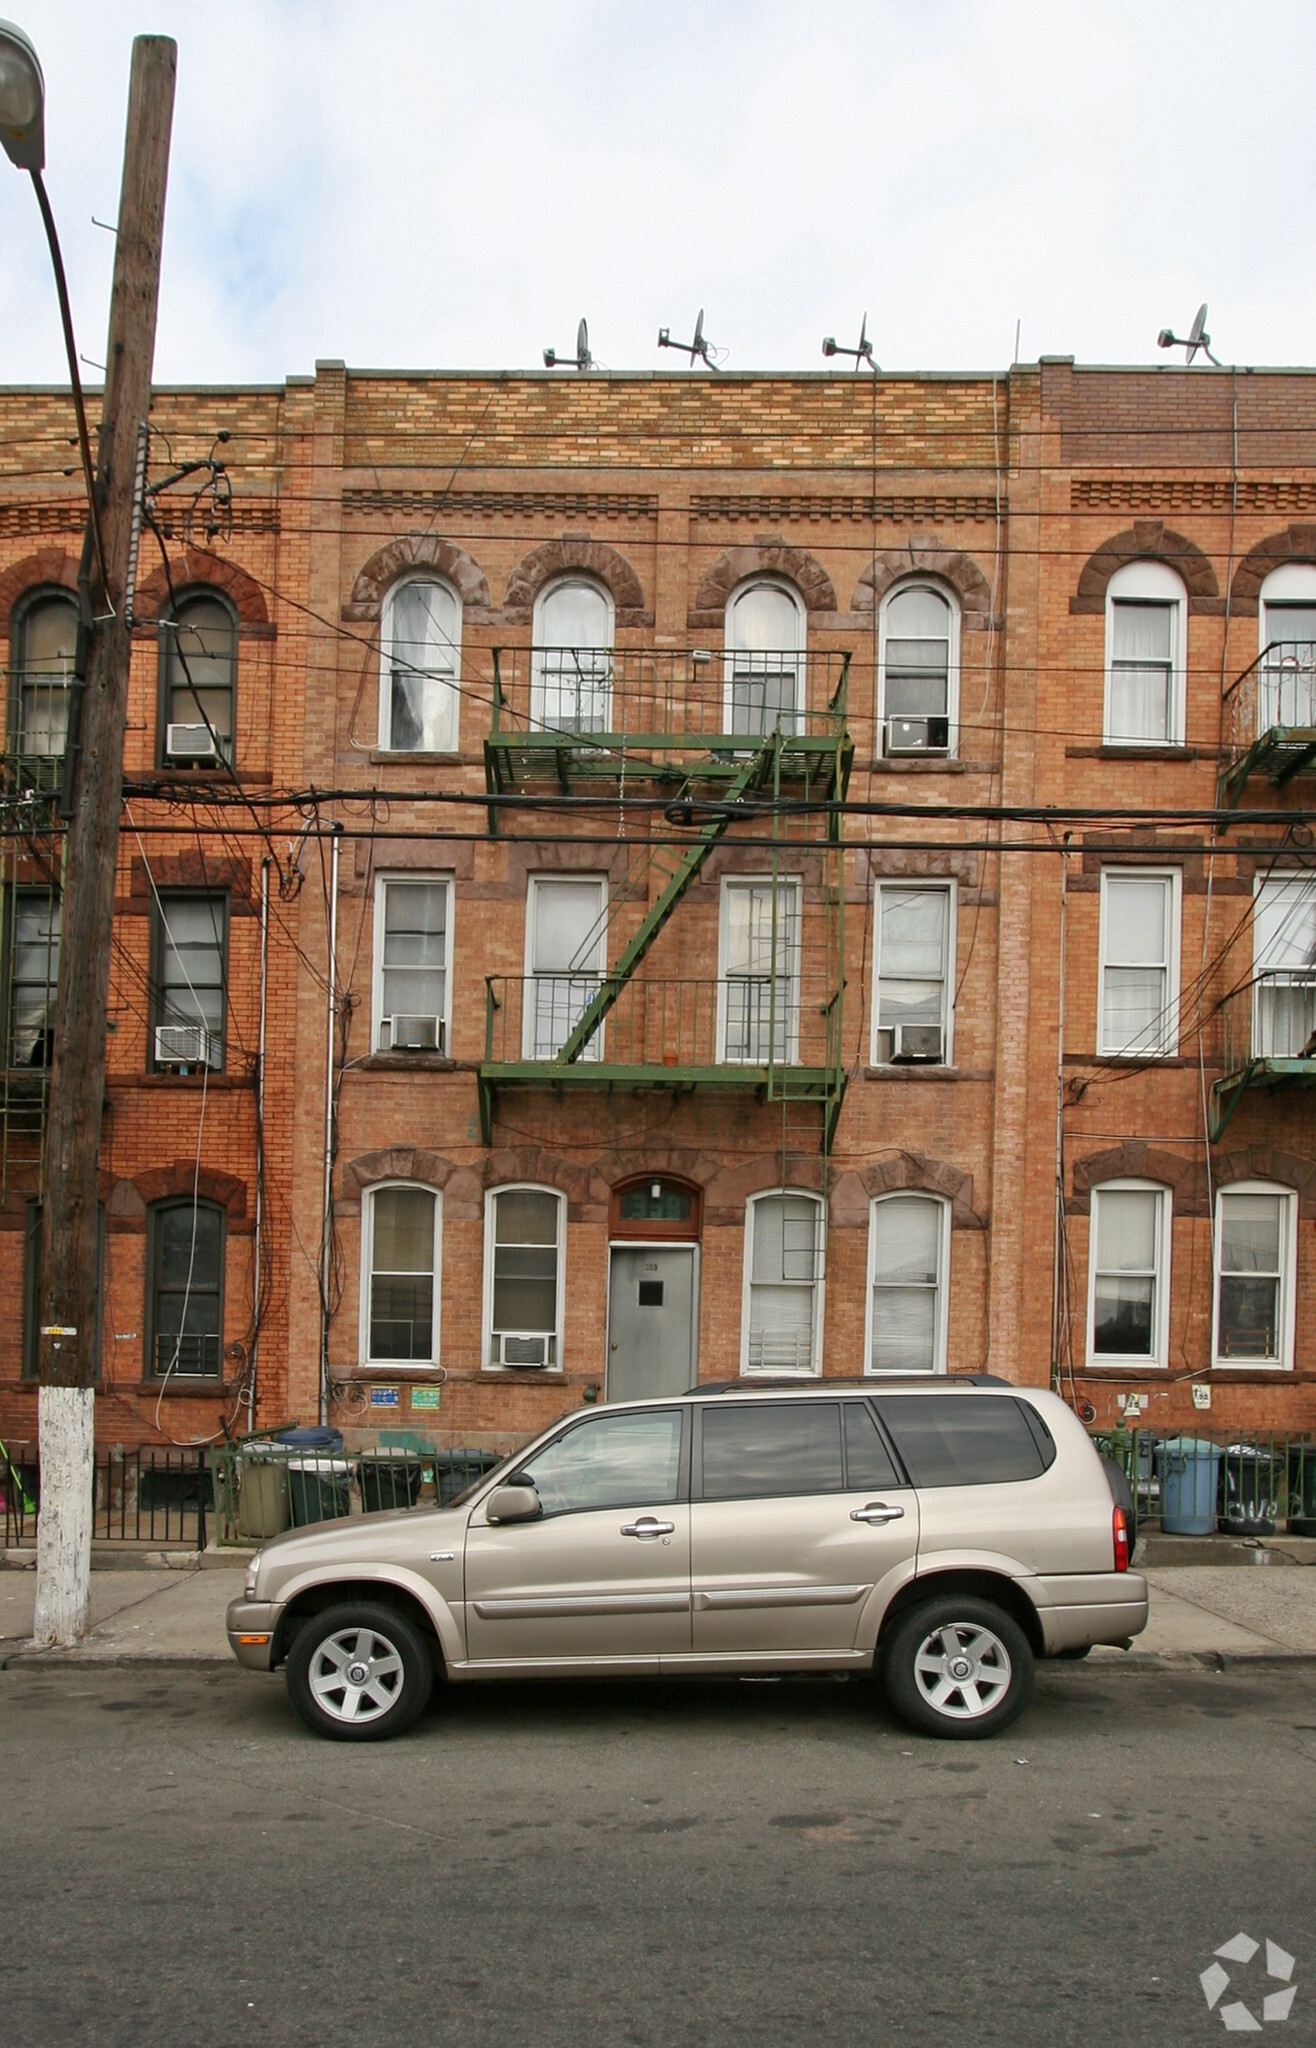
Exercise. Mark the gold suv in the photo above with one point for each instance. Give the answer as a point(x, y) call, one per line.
point(945, 1534)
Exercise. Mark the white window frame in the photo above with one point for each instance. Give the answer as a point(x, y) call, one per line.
point(1286, 694)
point(397, 1365)
point(594, 1050)
point(949, 889)
point(1158, 1358)
point(538, 683)
point(793, 884)
point(1291, 583)
point(1149, 583)
point(1166, 1045)
point(382, 884)
point(1287, 1277)
point(452, 680)
point(942, 1290)
point(818, 1285)
point(530, 1187)
point(800, 650)
point(1262, 1042)
point(951, 599)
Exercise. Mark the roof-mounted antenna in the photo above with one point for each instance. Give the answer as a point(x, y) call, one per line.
point(582, 360)
point(1197, 337)
point(862, 354)
point(698, 350)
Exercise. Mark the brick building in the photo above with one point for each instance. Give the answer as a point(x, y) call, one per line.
point(761, 831)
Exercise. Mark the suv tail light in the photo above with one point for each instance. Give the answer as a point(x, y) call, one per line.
point(1120, 1530)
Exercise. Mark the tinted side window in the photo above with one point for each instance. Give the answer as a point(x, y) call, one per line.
point(867, 1459)
point(611, 1461)
point(756, 1452)
point(962, 1439)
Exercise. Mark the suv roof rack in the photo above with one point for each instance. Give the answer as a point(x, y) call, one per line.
point(872, 1382)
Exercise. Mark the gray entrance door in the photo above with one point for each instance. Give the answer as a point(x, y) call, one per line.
point(651, 1321)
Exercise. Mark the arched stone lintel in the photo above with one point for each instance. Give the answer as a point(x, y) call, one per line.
point(764, 558)
point(1148, 540)
point(412, 552)
point(948, 565)
point(192, 575)
point(901, 1171)
point(1295, 544)
point(49, 568)
point(167, 1183)
point(586, 557)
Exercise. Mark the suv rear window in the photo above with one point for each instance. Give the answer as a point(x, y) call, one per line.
point(967, 1439)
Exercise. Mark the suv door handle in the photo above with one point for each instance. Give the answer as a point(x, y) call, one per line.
point(877, 1511)
point(647, 1526)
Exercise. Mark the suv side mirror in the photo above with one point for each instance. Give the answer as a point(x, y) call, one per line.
point(513, 1504)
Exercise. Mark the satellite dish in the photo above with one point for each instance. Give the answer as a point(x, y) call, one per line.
point(584, 360)
point(700, 347)
point(864, 348)
point(1197, 334)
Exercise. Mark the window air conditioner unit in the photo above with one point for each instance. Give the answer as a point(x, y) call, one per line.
point(190, 743)
point(185, 1045)
point(410, 1033)
point(529, 1351)
point(918, 735)
point(916, 1043)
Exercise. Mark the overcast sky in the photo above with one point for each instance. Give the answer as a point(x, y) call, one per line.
point(429, 184)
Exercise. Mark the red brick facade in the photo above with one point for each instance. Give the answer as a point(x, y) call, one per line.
point(1019, 498)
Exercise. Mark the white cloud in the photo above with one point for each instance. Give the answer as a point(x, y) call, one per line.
point(426, 183)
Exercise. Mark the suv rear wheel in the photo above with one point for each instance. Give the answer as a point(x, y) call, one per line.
point(359, 1673)
point(957, 1667)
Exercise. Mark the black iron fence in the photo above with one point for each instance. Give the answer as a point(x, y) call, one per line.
point(154, 1495)
point(1238, 1482)
point(263, 1487)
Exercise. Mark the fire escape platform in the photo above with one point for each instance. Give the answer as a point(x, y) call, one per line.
point(1270, 1076)
point(770, 1083)
point(1280, 754)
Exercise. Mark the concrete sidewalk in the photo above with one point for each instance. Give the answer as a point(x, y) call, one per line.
point(175, 1616)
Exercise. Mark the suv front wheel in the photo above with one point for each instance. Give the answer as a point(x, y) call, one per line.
point(957, 1667)
point(359, 1673)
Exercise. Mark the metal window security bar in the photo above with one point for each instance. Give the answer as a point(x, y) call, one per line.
point(1244, 1483)
point(150, 1496)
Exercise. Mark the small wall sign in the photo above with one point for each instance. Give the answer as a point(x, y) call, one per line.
point(425, 1397)
point(386, 1397)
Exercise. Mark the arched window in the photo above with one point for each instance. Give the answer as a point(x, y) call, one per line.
point(1255, 1248)
point(781, 1318)
point(571, 667)
point(1129, 1274)
point(420, 662)
point(401, 1239)
point(47, 642)
point(1146, 651)
point(763, 666)
point(918, 659)
point(524, 1259)
point(1287, 692)
point(199, 662)
point(908, 1255)
point(185, 1290)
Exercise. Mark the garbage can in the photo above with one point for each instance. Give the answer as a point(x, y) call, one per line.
point(1302, 1489)
point(320, 1489)
point(1253, 1476)
point(264, 1508)
point(390, 1479)
point(1189, 1469)
point(454, 1471)
point(313, 1436)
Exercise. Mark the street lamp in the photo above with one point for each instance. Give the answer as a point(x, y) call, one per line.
point(23, 134)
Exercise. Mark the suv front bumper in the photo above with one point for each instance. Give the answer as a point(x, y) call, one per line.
point(251, 1626)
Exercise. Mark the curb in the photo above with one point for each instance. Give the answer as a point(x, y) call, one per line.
point(77, 1660)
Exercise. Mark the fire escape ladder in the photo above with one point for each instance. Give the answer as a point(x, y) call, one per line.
point(750, 776)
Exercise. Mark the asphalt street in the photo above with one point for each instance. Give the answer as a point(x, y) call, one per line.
point(735, 1863)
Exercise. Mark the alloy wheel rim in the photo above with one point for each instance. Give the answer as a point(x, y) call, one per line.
point(356, 1675)
point(962, 1670)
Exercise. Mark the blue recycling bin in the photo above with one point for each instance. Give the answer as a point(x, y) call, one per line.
point(1188, 1468)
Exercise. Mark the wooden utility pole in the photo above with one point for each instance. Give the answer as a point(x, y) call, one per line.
point(70, 1236)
